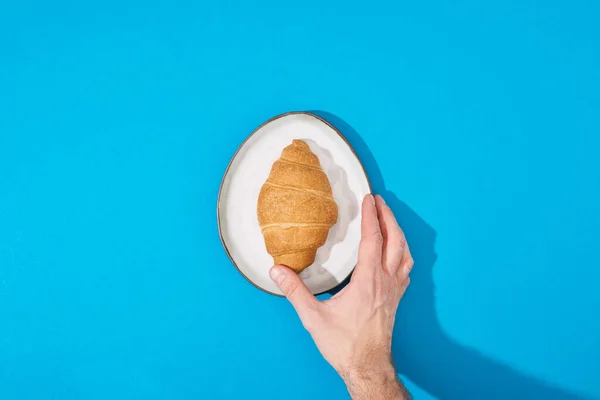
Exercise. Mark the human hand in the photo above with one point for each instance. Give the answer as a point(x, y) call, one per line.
point(353, 329)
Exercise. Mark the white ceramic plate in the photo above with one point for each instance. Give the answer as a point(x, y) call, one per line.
point(249, 169)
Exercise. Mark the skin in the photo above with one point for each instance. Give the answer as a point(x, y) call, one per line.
point(353, 329)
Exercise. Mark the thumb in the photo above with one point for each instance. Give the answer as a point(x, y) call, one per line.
point(292, 287)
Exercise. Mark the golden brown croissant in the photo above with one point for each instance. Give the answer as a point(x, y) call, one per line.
point(296, 207)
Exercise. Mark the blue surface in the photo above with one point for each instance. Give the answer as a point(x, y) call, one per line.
point(479, 121)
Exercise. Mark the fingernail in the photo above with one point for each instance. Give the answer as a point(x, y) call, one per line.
point(372, 199)
point(277, 275)
point(381, 198)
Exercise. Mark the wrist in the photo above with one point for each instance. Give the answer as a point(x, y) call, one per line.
point(379, 372)
point(375, 361)
point(374, 381)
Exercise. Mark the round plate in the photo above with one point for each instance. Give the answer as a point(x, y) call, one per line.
point(247, 172)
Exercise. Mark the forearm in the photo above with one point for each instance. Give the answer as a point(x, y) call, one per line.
point(379, 383)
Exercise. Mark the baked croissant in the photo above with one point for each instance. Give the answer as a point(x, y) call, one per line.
point(296, 208)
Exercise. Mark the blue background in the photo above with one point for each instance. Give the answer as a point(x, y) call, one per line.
point(479, 122)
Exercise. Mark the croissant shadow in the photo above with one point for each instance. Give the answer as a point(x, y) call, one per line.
point(423, 351)
point(347, 211)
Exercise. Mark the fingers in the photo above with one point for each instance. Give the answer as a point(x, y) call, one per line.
point(292, 287)
point(394, 241)
point(371, 242)
point(406, 264)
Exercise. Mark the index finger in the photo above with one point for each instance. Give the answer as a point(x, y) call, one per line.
point(394, 241)
point(371, 242)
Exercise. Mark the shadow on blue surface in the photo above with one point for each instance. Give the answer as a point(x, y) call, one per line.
point(422, 350)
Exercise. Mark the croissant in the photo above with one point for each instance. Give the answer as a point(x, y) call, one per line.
point(296, 208)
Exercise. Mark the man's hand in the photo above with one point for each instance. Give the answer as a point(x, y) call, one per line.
point(353, 329)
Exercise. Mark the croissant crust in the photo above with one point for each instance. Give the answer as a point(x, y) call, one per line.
point(296, 208)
